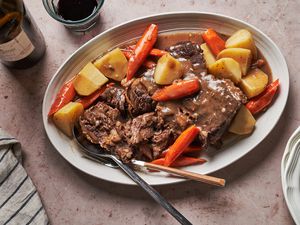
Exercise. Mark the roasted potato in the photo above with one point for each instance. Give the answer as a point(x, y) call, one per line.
point(254, 83)
point(241, 55)
point(242, 39)
point(167, 70)
point(89, 80)
point(243, 123)
point(65, 118)
point(226, 68)
point(208, 55)
point(113, 65)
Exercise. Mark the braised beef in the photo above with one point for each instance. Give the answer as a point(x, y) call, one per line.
point(160, 141)
point(138, 137)
point(140, 129)
point(100, 124)
point(218, 102)
point(147, 79)
point(146, 133)
point(138, 98)
point(190, 55)
point(115, 97)
point(211, 110)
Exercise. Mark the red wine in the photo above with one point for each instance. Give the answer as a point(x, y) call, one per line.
point(21, 42)
point(76, 9)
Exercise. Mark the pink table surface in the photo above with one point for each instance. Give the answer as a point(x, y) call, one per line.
point(253, 193)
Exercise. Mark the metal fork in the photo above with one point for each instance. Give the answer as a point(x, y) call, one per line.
point(110, 160)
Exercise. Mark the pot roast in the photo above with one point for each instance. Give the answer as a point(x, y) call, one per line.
point(128, 123)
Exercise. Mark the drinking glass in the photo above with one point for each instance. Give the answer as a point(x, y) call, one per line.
point(78, 25)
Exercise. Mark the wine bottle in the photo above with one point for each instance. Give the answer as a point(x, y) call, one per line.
point(21, 42)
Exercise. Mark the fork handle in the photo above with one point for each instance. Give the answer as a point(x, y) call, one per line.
point(189, 175)
point(153, 193)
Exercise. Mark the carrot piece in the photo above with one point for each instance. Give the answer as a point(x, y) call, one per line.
point(182, 142)
point(157, 52)
point(160, 161)
point(127, 53)
point(214, 41)
point(64, 96)
point(89, 100)
point(177, 90)
point(180, 161)
point(187, 161)
point(153, 52)
point(147, 63)
point(142, 50)
point(189, 149)
point(260, 102)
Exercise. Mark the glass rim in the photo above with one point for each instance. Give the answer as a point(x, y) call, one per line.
point(71, 22)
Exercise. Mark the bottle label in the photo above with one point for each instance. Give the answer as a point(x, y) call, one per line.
point(16, 49)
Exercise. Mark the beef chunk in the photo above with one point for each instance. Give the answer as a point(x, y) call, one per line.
point(140, 129)
point(100, 124)
point(184, 49)
point(175, 116)
point(211, 110)
point(218, 102)
point(146, 134)
point(190, 55)
point(147, 79)
point(115, 97)
point(138, 99)
point(160, 141)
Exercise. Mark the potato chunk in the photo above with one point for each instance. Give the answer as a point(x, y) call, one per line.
point(207, 54)
point(113, 65)
point(89, 80)
point(66, 117)
point(226, 68)
point(242, 39)
point(167, 70)
point(254, 83)
point(243, 123)
point(241, 55)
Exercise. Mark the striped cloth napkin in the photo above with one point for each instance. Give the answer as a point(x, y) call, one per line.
point(19, 200)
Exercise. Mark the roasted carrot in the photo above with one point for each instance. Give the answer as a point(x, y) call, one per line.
point(65, 95)
point(142, 50)
point(214, 41)
point(187, 161)
point(127, 53)
point(181, 143)
point(147, 63)
point(153, 52)
point(89, 100)
point(188, 149)
point(260, 102)
point(157, 52)
point(160, 161)
point(177, 90)
point(180, 161)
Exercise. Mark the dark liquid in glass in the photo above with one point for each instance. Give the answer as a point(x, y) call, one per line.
point(76, 9)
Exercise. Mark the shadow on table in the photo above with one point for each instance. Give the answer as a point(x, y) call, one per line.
point(190, 188)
